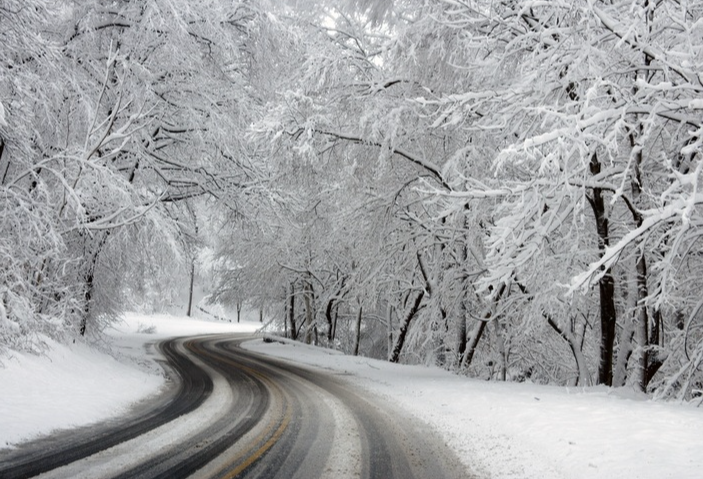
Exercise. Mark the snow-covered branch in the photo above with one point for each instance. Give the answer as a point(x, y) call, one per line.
point(651, 219)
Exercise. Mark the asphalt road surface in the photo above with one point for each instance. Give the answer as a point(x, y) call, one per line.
point(231, 413)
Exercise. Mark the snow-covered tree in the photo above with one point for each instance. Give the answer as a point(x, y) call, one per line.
point(112, 113)
point(544, 156)
point(595, 170)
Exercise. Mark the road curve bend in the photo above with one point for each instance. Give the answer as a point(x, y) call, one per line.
point(236, 414)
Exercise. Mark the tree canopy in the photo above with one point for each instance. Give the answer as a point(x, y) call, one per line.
point(506, 189)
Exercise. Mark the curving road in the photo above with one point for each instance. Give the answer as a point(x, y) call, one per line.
point(232, 413)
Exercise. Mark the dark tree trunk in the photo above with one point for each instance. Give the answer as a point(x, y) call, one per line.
point(463, 312)
point(192, 261)
point(328, 317)
point(7, 166)
point(291, 313)
point(606, 288)
point(502, 350)
point(461, 337)
point(642, 323)
point(357, 332)
point(656, 326)
point(334, 322)
point(89, 279)
point(190, 289)
point(478, 332)
point(655, 362)
point(309, 301)
point(400, 340)
point(471, 346)
point(389, 329)
point(606, 285)
point(584, 377)
point(88, 298)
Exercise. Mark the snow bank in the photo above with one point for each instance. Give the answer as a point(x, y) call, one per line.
point(69, 386)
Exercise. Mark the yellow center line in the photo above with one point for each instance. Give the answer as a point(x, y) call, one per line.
point(265, 447)
point(250, 458)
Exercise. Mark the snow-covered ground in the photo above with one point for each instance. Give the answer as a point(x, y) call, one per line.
point(498, 430)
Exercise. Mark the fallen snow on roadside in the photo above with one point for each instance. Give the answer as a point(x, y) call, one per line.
point(69, 386)
point(77, 385)
point(523, 431)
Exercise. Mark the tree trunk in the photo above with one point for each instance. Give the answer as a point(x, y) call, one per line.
point(461, 336)
point(285, 312)
point(357, 332)
point(473, 344)
point(328, 317)
point(584, 376)
point(477, 332)
point(190, 289)
point(291, 313)
point(642, 329)
point(192, 261)
point(606, 285)
point(7, 166)
point(88, 298)
point(335, 318)
point(654, 335)
point(89, 279)
point(502, 351)
point(333, 307)
point(239, 310)
point(463, 310)
point(655, 361)
point(308, 298)
point(400, 340)
point(624, 353)
point(389, 328)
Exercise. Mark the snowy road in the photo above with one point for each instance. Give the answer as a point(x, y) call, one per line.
point(234, 413)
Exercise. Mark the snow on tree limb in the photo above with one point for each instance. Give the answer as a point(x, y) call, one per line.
point(652, 218)
point(621, 32)
point(427, 165)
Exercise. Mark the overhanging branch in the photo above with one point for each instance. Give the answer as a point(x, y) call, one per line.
point(426, 165)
